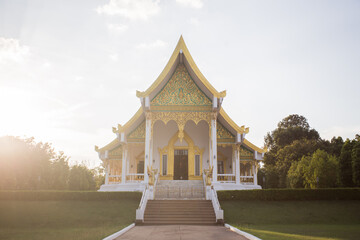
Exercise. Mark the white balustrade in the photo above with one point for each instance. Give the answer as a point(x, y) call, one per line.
point(134, 177)
point(226, 178)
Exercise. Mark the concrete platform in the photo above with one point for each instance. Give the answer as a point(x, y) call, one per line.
point(180, 232)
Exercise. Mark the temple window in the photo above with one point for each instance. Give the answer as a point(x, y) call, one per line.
point(164, 165)
point(197, 165)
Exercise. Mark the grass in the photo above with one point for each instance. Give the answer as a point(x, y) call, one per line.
point(295, 220)
point(58, 220)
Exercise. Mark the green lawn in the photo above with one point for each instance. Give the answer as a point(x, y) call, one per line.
point(59, 220)
point(294, 220)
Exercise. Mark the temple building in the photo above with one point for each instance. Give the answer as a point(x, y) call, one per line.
point(180, 132)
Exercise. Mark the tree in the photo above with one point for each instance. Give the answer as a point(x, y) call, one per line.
point(295, 177)
point(292, 139)
point(321, 171)
point(293, 127)
point(290, 154)
point(24, 164)
point(99, 176)
point(271, 177)
point(355, 155)
point(81, 178)
point(345, 165)
point(60, 172)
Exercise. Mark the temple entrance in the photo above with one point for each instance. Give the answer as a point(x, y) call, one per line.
point(180, 164)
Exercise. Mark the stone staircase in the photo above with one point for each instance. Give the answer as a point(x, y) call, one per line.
point(180, 212)
point(180, 189)
point(179, 202)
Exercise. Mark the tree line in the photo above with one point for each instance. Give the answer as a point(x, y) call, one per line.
point(27, 165)
point(298, 158)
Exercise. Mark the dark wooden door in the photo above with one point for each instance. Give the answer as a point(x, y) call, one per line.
point(181, 165)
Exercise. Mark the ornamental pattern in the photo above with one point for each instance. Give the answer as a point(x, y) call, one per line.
point(138, 133)
point(181, 90)
point(116, 152)
point(222, 133)
point(180, 118)
point(245, 153)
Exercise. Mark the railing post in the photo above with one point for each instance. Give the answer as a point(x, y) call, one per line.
point(237, 162)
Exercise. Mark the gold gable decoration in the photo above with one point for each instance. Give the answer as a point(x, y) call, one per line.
point(138, 135)
point(246, 153)
point(222, 134)
point(181, 90)
point(116, 152)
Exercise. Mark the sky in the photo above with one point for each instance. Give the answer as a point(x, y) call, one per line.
point(69, 70)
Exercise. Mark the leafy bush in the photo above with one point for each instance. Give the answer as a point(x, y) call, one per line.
point(291, 194)
point(67, 195)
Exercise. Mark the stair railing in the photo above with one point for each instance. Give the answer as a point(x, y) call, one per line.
point(219, 213)
point(211, 194)
point(141, 209)
point(148, 194)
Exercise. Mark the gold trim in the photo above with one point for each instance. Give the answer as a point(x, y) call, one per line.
point(182, 108)
point(254, 147)
point(181, 46)
point(113, 144)
point(238, 129)
point(180, 118)
point(130, 122)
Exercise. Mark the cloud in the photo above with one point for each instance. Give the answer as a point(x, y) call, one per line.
point(114, 57)
point(194, 21)
point(11, 50)
point(156, 44)
point(191, 3)
point(117, 28)
point(133, 10)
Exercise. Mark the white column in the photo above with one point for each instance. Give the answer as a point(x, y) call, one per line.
point(237, 161)
point(255, 174)
point(147, 146)
point(123, 168)
point(107, 169)
point(214, 147)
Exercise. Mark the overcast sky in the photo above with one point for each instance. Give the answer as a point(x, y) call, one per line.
point(69, 70)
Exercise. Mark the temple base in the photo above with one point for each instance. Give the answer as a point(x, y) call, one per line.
point(233, 186)
point(128, 187)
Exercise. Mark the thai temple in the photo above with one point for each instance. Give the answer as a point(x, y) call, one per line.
point(180, 135)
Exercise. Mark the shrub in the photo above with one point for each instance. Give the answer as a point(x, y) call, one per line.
point(67, 195)
point(291, 194)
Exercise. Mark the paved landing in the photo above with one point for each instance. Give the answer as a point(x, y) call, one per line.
point(180, 232)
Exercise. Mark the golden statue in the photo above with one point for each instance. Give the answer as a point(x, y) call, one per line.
point(208, 175)
point(152, 173)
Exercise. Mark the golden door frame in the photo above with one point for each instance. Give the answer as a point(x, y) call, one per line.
point(169, 151)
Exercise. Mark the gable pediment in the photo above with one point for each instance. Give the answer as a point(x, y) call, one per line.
point(223, 135)
point(180, 90)
point(138, 134)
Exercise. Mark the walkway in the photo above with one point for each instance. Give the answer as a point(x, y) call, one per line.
point(180, 232)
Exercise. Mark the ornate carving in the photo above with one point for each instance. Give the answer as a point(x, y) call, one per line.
point(138, 134)
point(148, 115)
point(116, 152)
point(222, 134)
point(245, 153)
point(152, 174)
point(181, 90)
point(180, 118)
point(213, 115)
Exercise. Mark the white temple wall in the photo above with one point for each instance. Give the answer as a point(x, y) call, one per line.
point(200, 135)
point(161, 136)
